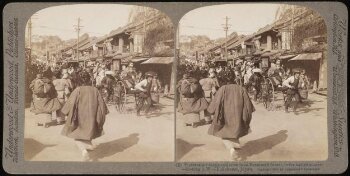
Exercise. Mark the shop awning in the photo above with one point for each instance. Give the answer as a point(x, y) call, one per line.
point(159, 60)
point(287, 56)
point(307, 56)
point(121, 55)
point(220, 60)
point(271, 53)
point(140, 59)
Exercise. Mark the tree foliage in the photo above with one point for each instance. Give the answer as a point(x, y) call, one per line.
point(159, 30)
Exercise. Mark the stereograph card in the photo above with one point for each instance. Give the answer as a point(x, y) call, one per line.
point(175, 88)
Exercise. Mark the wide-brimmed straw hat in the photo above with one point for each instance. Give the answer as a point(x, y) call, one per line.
point(109, 72)
point(256, 70)
point(65, 76)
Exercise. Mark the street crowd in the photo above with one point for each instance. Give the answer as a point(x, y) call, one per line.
point(77, 97)
point(220, 94)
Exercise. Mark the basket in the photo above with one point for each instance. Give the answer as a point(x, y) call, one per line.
point(155, 97)
point(303, 94)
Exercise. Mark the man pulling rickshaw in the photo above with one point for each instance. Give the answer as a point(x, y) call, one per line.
point(143, 89)
point(290, 86)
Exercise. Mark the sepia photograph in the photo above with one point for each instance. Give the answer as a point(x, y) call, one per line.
point(175, 87)
point(99, 84)
point(252, 84)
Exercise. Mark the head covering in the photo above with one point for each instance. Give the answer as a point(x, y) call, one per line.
point(211, 74)
point(85, 78)
point(296, 70)
point(186, 75)
point(211, 70)
point(39, 76)
point(257, 70)
point(65, 76)
point(109, 72)
point(148, 74)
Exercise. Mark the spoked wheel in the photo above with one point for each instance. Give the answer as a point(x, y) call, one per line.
point(271, 95)
point(104, 94)
point(120, 96)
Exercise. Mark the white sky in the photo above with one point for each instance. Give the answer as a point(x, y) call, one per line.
point(97, 19)
point(244, 19)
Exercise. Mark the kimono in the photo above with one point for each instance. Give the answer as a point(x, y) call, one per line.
point(45, 104)
point(192, 98)
point(63, 87)
point(232, 109)
point(86, 113)
point(209, 86)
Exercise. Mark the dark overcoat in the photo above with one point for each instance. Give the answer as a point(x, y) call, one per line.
point(86, 112)
point(232, 109)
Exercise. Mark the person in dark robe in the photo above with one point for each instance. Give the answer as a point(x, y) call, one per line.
point(232, 110)
point(86, 112)
point(192, 100)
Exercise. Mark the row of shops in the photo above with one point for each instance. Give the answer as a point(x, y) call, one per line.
point(276, 41)
point(119, 48)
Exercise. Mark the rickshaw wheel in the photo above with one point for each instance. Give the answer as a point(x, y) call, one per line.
point(271, 92)
point(120, 96)
point(104, 94)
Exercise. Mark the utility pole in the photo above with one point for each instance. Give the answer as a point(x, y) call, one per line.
point(292, 28)
point(30, 33)
point(30, 27)
point(46, 53)
point(226, 26)
point(77, 28)
point(144, 29)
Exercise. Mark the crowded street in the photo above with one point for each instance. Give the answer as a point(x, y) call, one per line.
point(101, 90)
point(275, 136)
point(127, 138)
point(252, 96)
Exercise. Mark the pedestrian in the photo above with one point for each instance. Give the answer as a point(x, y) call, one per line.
point(44, 101)
point(155, 88)
point(62, 87)
point(192, 101)
point(248, 73)
point(209, 86)
point(86, 112)
point(108, 82)
point(101, 73)
point(144, 96)
point(290, 86)
point(255, 81)
point(232, 110)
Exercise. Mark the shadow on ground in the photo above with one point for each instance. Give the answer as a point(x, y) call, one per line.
point(32, 147)
point(156, 111)
point(260, 145)
point(183, 147)
point(112, 147)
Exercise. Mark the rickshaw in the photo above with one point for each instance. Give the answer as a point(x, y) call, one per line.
point(122, 89)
